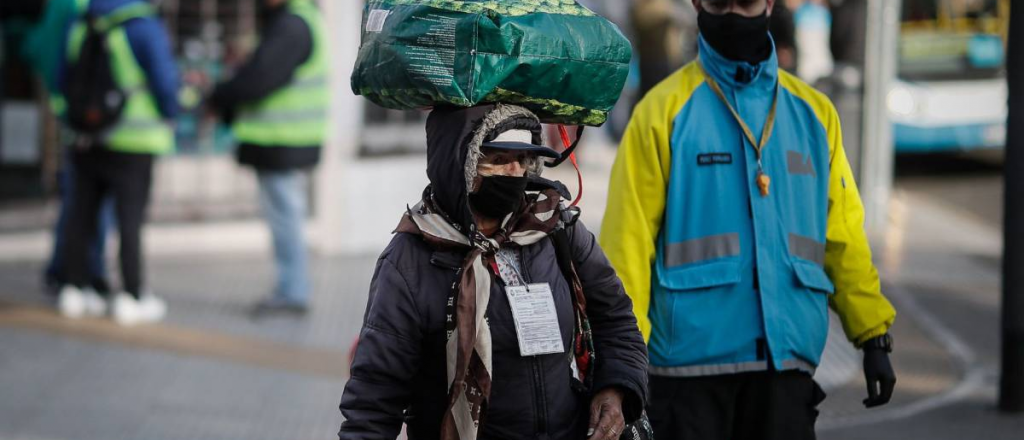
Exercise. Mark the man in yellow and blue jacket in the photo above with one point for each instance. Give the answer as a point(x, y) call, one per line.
point(734, 222)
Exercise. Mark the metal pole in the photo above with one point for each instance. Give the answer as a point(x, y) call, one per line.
point(879, 72)
point(1011, 386)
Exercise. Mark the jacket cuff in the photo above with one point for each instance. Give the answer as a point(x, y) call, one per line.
point(871, 334)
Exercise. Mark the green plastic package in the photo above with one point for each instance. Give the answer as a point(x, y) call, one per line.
point(555, 57)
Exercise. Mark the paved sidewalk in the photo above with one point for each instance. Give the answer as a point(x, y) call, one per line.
point(943, 266)
point(209, 372)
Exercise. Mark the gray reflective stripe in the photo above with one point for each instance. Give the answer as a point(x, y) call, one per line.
point(797, 165)
point(281, 116)
point(798, 364)
point(807, 248)
point(700, 249)
point(717, 369)
point(709, 370)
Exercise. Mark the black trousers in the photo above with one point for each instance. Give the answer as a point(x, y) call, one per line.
point(128, 178)
point(763, 405)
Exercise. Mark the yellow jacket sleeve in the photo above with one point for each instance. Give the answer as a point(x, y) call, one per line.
point(636, 196)
point(858, 300)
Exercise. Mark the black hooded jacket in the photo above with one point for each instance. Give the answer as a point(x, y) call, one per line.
point(399, 370)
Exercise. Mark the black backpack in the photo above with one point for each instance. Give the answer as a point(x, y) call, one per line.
point(94, 99)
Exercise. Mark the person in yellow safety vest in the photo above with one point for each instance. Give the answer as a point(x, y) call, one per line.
point(277, 102)
point(119, 161)
point(734, 223)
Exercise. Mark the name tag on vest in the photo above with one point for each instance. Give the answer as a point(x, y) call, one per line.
point(714, 159)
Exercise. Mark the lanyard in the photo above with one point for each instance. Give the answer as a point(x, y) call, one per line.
point(763, 181)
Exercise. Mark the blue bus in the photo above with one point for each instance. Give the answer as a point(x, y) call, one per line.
point(951, 93)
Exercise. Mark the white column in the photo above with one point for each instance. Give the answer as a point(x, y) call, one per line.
point(359, 200)
point(880, 70)
point(341, 148)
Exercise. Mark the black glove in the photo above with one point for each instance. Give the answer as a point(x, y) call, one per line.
point(878, 371)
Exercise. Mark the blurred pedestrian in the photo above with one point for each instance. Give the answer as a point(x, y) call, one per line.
point(277, 102)
point(666, 38)
point(45, 36)
point(41, 49)
point(783, 29)
point(493, 313)
point(119, 160)
point(813, 27)
point(848, 34)
point(729, 179)
point(54, 276)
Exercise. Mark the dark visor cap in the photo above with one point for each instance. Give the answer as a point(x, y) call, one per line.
point(519, 140)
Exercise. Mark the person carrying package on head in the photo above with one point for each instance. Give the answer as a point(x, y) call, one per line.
point(120, 85)
point(493, 313)
point(277, 104)
point(735, 223)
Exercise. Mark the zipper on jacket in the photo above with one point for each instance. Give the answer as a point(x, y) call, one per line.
point(542, 408)
point(753, 230)
point(540, 424)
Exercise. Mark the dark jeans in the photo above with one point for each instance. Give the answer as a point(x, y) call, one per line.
point(763, 405)
point(56, 270)
point(127, 177)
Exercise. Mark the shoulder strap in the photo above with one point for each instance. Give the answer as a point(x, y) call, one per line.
point(583, 337)
point(563, 247)
point(563, 252)
point(570, 148)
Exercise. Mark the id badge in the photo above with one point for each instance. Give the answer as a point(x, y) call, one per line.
point(533, 309)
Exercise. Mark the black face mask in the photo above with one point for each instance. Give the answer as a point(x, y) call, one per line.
point(736, 37)
point(498, 196)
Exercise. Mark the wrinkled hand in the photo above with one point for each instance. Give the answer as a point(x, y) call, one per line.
point(606, 419)
point(880, 377)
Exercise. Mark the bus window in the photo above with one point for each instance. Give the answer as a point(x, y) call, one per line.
point(953, 39)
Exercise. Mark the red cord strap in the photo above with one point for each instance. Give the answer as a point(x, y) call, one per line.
point(570, 147)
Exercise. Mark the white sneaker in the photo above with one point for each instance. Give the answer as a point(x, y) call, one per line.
point(95, 305)
point(130, 311)
point(71, 302)
point(77, 303)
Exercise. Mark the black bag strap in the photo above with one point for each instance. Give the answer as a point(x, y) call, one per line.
point(563, 246)
point(563, 253)
point(568, 151)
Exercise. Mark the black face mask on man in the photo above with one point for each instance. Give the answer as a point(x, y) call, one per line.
point(736, 37)
point(498, 196)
